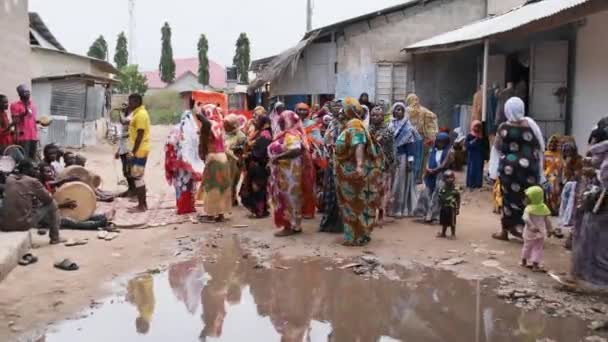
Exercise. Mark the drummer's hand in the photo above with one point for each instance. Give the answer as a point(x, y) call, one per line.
point(70, 204)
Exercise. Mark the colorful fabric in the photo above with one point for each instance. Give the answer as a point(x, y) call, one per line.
point(217, 185)
point(25, 116)
point(235, 146)
point(423, 119)
point(384, 137)
point(140, 121)
point(183, 166)
point(5, 134)
point(286, 180)
point(254, 190)
point(138, 167)
point(358, 195)
point(405, 132)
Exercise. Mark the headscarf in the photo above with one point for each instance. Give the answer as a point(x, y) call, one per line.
point(443, 137)
point(423, 119)
point(235, 122)
point(352, 108)
point(259, 110)
point(515, 111)
point(274, 118)
point(537, 205)
point(599, 155)
point(553, 142)
point(600, 132)
point(473, 133)
point(303, 105)
point(405, 132)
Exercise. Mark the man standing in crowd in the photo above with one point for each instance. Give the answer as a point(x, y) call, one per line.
point(139, 137)
point(24, 117)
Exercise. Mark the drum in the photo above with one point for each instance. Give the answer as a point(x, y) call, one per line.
point(7, 164)
point(16, 152)
point(45, 121)
point(82, 174)
point(84, 197)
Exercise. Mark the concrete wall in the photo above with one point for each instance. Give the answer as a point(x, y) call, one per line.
point(314, 75)
point(365, 44)
point(186, 83)
point(14, 37)
point(591, 77)
point(502, 6)
point(41, 95)
point(54, 63)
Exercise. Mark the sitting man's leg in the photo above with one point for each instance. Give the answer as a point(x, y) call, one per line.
point(48, 216)
point(93, 223)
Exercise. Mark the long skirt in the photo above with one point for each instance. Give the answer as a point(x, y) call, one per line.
point(286, 193)
point(184, 192)
point(331, 222)
point(567, 205)
point(420, 160)
point(404, 193)
point(235, 176)
point(428, 204)
point(254, 190)
point(589, 252)
point(386, 190)
point(216, 185)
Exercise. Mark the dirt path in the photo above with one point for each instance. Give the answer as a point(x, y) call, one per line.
point(37, 295)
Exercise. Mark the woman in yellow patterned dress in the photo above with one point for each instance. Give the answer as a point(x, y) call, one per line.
point(358, 175)
point(553, 170)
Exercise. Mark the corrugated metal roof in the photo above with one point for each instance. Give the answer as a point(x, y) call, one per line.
point(506, 22)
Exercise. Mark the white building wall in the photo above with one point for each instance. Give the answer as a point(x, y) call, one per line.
point(54, 63)
point(365, 44)
point(187, 83)
point(502, 6)
point(314, 75)
point(14, 38)
point(591, 78)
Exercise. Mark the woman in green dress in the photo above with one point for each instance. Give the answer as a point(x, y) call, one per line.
point(358, 175)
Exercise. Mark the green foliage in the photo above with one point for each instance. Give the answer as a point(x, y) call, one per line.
point(121, 56)
point(132, 81)
point(242, 58)
point(165, 107)
point(99, 49)
point(167, 64)
point(203, 60)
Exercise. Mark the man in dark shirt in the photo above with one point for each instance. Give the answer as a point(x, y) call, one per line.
point(19, 212)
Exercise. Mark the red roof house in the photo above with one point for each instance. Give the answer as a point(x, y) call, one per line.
point(186, 76)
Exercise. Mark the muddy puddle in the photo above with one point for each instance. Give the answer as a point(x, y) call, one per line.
point(306, 300)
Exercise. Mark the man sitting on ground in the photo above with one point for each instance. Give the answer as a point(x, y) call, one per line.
point(21, 194)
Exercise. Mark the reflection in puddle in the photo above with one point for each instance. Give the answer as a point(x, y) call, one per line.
point(308, 301)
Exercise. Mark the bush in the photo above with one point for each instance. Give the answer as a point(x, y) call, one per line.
point(164, 107)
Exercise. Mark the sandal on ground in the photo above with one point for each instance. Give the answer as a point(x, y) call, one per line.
point(286, 233)
point(42, 232)
point(76, 242)
point(28, 259)
point(500, 236)
point(66, 265)
point(538, 269)
point(58, 241)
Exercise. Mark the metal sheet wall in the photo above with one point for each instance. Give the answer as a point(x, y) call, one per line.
point(68, 99)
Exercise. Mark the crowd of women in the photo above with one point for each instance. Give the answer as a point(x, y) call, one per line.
point(355, 164)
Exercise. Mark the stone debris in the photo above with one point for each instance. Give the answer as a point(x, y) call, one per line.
point(598, 325)
point(595, 339)
point(452, 262)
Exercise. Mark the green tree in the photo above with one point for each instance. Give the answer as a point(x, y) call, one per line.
point(121, 56)
point(99, 49)
point(242, 58)
point(203, 60)
point(132, 81)
point(167, 64)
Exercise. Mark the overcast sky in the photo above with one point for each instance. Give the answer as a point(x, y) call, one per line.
point(272, 25)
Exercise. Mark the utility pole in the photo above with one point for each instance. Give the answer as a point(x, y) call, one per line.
point(308, 15)
point(132, 33)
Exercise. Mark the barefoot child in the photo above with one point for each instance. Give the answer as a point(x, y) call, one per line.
point(449, 202)
point(538, 227)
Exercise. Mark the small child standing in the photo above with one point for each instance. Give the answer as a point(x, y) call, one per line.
point(449, 203)
point(538, 228)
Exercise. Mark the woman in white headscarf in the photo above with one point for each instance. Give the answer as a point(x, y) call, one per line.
point(517, 160)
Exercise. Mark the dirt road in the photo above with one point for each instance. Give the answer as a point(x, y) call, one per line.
point(34, 296)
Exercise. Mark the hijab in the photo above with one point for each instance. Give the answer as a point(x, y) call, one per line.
point(537, 205)
point(352, 108)
point(235, 122)
point(515, 111)
point(403, 129)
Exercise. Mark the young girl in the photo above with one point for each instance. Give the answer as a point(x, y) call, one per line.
point(538, 227)
point(474, 146)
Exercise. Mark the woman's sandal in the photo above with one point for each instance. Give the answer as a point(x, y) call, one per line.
point(28, 259)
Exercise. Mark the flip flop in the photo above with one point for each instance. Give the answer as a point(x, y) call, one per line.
point(76, 242)
point(28, 259)
point(42, 232)
point(111, 236)
point(66, 265)
point(102, 235)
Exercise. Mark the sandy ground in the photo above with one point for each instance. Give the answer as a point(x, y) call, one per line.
point(34, 296)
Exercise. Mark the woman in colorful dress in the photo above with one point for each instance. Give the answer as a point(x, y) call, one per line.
point(427, 127)
point(254, 191)
point(331, 222)
point(383, 136)
point(235, 145)
point(216, 184)
point(553, 173)
point(517, 160)
point(314, 139)
point(358, 176)
point(474, 146)
point(570, 176)
point(407, 139)
point(287, 160)
point(183, 165)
